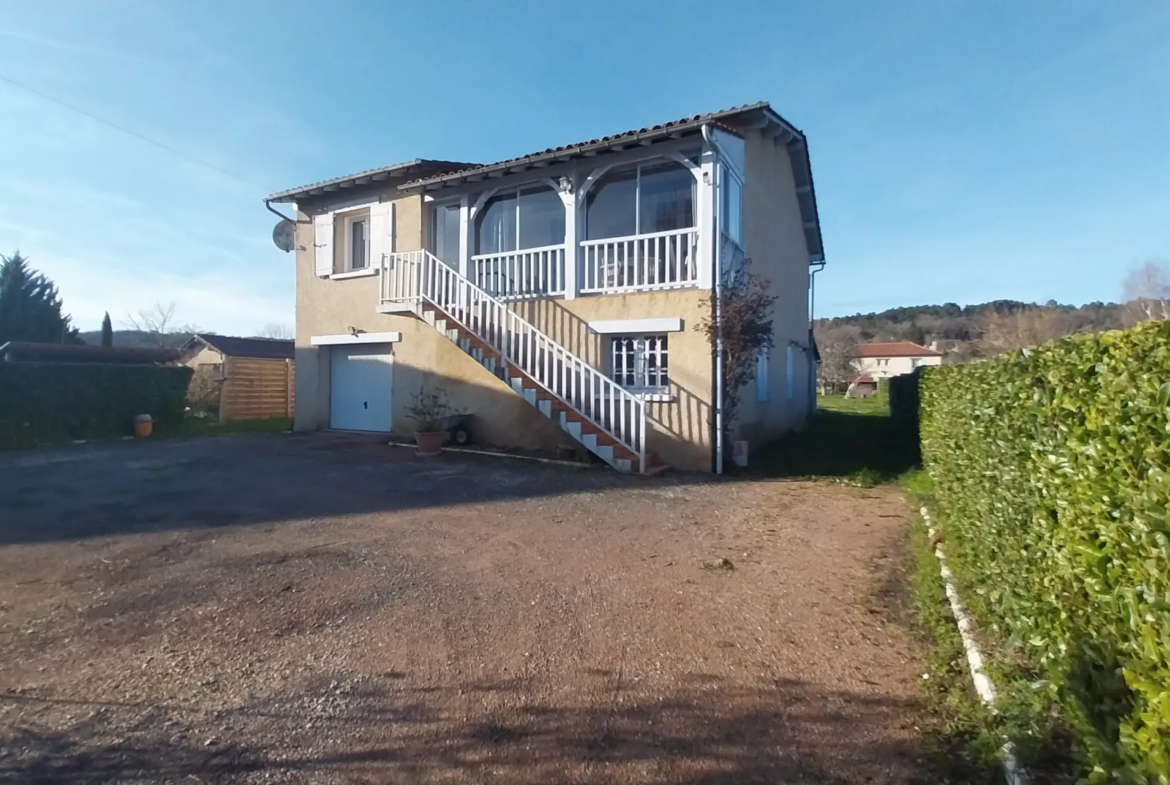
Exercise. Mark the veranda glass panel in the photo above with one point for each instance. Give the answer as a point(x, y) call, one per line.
point(542, 218)
point(611, 209)
point(497, 225)
point(667, 198)
point(445, 234)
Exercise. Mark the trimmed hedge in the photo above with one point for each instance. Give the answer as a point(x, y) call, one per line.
point(1051, 467)
point(53, 402)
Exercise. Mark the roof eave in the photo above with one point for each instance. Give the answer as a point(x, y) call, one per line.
point(337, 184)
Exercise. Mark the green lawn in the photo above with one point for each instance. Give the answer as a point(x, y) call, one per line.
point(852, 439)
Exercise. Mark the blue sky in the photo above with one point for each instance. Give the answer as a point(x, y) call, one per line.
point(963, 151)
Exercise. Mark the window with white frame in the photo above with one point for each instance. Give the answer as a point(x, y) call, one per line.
point(516, 220)
point(732, 207)
point(640, 362)
point(355, 240)
point(651, 197)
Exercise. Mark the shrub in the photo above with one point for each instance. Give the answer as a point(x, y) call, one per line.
point(1051, 470)
point(52, 402)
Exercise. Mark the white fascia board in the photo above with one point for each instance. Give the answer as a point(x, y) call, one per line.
point(665, 324)
point(347, 338)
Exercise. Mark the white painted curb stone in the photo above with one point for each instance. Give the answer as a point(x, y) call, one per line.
point(1012, 770)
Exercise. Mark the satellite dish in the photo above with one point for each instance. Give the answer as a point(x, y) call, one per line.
point(284, 235)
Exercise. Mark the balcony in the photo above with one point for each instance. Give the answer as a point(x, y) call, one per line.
point(641, 262)
point(519, 275)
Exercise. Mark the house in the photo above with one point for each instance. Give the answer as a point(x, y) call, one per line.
point(557, 296)
point(242, 378)
point(874, 361)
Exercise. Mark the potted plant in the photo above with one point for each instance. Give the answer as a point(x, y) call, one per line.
point(427, 408)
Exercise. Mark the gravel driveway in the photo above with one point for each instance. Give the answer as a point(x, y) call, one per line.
point(326, 609)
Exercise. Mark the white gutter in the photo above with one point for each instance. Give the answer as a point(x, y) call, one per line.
point(717, 287)
point(1013, 772)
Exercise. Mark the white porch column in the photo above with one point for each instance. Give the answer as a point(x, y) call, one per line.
point(572, 242)
point(464, 236)
point(706, 210)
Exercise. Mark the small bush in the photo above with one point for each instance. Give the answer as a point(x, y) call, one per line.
point(1051, 471)
point(53, 402)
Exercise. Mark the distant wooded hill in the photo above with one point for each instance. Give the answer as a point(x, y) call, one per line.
point(923, 324)
point(138, 338)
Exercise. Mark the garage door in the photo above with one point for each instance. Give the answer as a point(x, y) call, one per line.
point(360, 380)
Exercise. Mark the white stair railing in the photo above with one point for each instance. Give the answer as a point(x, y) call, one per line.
point(418, 277)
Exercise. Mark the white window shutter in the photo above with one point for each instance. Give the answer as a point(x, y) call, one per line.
point(323, 244)
point(379, 232)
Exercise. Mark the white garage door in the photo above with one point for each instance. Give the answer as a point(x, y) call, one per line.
point(360, 380)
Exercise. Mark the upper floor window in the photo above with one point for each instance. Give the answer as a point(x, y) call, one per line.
point(355, 235)
point(515, 220)
point(647, 198)
point(732, 218)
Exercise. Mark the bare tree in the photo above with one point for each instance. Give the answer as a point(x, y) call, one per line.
point(1147, 293)
point(837, 345)
point(1006, 331)
point(745, 329)
point(277, 330)
point(158, 322)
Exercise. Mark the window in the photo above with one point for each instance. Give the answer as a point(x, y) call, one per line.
point(790, 372)
point(513, 221)
point(355, 229)
point(762, 375)
point(639, 362)
point(732, 220)
point(648, 198)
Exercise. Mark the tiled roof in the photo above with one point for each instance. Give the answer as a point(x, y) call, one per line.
point(726, 117)
point(421, 166)
point(259, 348)
point(894, 349)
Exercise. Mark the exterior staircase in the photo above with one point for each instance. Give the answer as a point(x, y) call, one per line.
point(598, 413)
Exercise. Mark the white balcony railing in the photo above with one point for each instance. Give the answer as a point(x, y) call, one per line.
point(660, 260)
point(515, 275)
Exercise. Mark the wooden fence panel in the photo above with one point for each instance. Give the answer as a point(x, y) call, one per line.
point(256, 388)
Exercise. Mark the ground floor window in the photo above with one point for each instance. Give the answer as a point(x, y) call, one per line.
point(640, 362)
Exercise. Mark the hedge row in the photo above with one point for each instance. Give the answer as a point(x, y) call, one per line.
point(1051, 467)
point(53, 402)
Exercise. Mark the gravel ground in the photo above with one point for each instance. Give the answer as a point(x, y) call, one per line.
point(325, 609)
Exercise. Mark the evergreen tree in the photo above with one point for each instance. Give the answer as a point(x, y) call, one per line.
point(30, 306)
point(107, 331)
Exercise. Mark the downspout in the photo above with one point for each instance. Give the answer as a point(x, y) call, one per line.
point(812, 306)
point(717, 286)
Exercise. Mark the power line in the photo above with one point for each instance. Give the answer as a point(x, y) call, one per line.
point(135, 134)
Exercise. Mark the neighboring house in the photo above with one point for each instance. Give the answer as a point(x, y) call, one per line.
point(875, 361)
point(242, 378)
point(556, 296)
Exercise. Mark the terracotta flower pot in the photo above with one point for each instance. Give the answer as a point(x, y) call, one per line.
point(143, 426)
point(429, 442)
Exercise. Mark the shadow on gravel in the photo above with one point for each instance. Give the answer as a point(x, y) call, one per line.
point(379, 731)
point(108, 489)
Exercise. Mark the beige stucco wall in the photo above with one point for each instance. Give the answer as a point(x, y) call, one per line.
point(892, 366)
point(774, 241)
